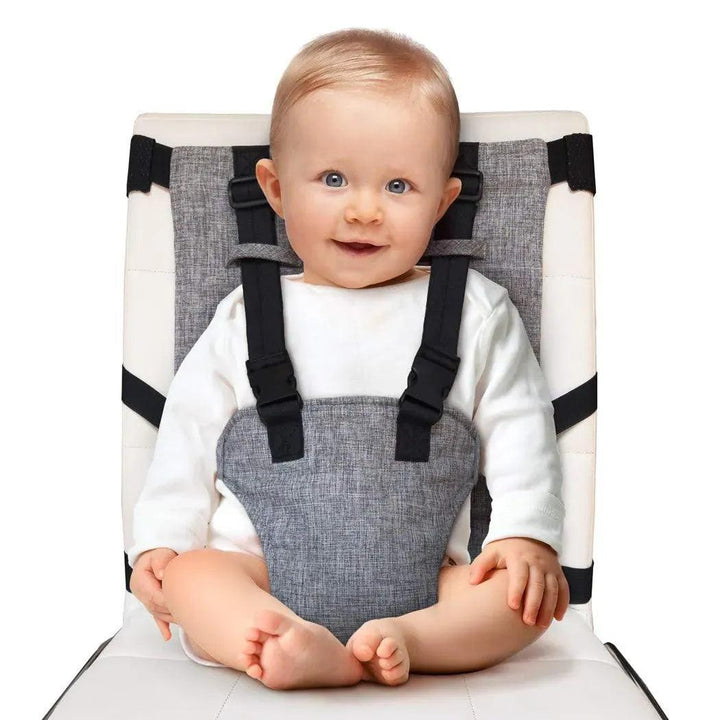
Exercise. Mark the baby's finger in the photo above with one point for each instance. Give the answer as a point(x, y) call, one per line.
point(518, 580)
point(549, 601)
point(484, 562)
point(534, 594)
point(167, 617)
point(563, 597)
point(164, 628)
point(157, 603)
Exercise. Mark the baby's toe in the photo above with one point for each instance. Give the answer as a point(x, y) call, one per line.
point(255, 634)
point(389, 663)
point(365, 643)
point(397, 675)
point(252, 648)
point(387, 647)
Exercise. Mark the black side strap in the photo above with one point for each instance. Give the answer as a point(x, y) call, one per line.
point(269, 368)
point(436, 362)
point(128, 572)
point(149, 163)
point(145, 400)
point(575, 405)
point(570, 158)
point(580, 582)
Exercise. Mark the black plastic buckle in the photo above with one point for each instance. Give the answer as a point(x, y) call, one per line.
point(470, 197)
point(429, 382)
point(238, 204)
point(273, 384)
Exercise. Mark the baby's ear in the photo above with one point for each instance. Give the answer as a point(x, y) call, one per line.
point(267, 177)
point(456, 184)
point(453, 188)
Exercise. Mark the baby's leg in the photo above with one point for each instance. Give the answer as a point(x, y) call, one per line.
point(470, 627)
point(204, 589)
point(222, 601)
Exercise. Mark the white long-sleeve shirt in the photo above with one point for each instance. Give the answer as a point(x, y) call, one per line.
point(345, 341)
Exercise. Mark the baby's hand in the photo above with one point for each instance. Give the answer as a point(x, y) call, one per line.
point(146, 585)
point(548, 592)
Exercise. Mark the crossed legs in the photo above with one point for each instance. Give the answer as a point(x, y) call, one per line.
point(222, 601)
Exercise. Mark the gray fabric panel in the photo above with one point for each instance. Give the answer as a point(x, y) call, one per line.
point(206, 237)
point(507, 233)
point(511, 218)
point(349, 533)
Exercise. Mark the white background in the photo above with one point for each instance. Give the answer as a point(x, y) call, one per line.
point(74, 79)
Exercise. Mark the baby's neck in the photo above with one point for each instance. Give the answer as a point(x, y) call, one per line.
point(415, 272)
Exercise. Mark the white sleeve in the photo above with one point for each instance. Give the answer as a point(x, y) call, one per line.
point(179, 495)
point(519, 456)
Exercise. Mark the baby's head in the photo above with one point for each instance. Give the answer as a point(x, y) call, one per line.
point(364, 135)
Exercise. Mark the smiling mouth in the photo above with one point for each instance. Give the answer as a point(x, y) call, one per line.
point(358, 248)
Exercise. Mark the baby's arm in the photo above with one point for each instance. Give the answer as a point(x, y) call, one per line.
point(519, 457)
point(179, 494)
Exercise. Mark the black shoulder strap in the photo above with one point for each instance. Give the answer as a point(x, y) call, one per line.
point(436, 362)
point(269, 367)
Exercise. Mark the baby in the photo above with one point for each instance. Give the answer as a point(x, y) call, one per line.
point(364, 136)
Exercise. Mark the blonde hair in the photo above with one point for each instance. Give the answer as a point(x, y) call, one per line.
point(376, 59)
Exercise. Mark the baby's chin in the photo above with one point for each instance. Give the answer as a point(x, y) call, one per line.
point(358, 282)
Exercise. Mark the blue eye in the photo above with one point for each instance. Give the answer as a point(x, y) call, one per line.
point(336, 176)
point(332, 174)
point(398, 180)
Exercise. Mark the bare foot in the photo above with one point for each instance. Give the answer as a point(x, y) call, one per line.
point(381, 646)
point(284, 653)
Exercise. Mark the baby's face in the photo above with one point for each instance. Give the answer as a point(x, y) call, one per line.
point(359, 166)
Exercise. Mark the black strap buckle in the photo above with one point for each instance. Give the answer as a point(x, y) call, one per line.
point(273, 383)
point(234, 198)
point(429, 382)
point(470, 196)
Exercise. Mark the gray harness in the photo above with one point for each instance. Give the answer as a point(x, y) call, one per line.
point(353, 498)
point(349, 533)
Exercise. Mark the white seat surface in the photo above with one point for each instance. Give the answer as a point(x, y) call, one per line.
point(566, 674)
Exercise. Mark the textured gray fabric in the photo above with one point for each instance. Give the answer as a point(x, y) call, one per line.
point(473, 246)
point(506, 243)
point(206, 237)
point(348, 532)
point(511, 218)
point(261, 250)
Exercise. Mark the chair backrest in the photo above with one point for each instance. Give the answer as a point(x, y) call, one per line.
point(541, 161)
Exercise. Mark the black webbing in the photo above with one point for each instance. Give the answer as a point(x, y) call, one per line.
point(149, 163)
point(575, 405)
point(570, 158)
point(145, 400)
point(436, 362)
point(269, 368)
point(128, 572)
point(457, 222)
point(580, 582)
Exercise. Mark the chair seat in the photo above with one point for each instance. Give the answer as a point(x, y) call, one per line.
point(566, 673)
